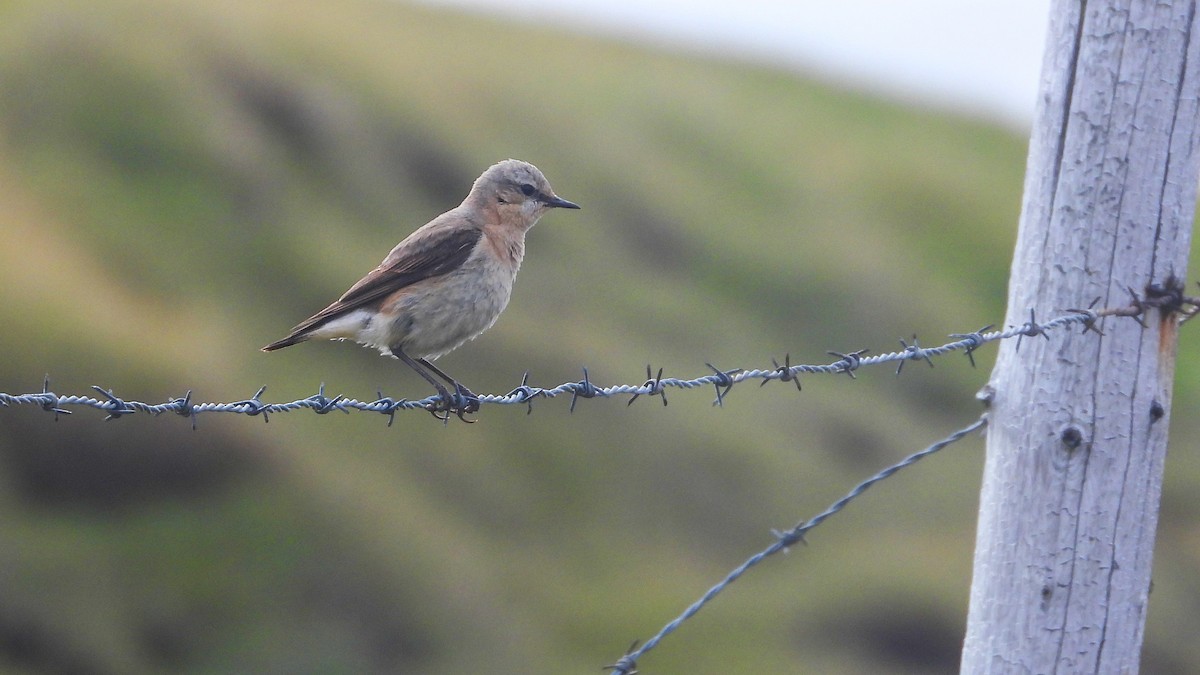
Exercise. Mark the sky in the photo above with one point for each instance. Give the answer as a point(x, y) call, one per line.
point(980, 57)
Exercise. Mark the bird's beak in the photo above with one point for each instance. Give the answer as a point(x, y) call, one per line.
point(557, 202)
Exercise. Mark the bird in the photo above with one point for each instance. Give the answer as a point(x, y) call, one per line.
point(445, 283)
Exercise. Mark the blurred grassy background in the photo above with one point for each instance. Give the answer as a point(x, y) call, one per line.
point(181, 182)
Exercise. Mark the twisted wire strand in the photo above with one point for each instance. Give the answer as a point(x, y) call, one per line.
point(655, 385)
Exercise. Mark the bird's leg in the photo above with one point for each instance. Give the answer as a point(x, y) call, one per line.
point(448, 401)
point(469, 399)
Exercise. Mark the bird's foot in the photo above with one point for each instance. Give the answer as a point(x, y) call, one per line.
point(466, 402)
point(462, 402)
point(444, 403)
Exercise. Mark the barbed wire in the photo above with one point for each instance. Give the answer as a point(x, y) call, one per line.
point(722, 381)
point(627, 664)
point(1168, 298)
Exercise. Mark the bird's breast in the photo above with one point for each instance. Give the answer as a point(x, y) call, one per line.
point(436, 315)
point(503, 249)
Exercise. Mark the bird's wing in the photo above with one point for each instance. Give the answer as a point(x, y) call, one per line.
point(430, 256)
point(433, 255)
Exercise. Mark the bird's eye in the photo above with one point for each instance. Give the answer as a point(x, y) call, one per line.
point(527, 190)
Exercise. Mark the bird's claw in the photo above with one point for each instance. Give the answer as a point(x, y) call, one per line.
point(461, 403)
point(465, 402)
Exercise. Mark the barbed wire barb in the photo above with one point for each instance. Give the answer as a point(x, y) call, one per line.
point(785, 372)
point(654, 383)
point(974, 341)
point(915, 353)
point(526, 394)
point(724, 382)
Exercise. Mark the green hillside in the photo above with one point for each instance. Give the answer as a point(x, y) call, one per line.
point(181, 182)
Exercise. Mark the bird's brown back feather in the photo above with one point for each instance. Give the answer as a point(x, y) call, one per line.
point(425, 257)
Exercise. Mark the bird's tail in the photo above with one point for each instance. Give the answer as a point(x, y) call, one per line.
point(285, 342)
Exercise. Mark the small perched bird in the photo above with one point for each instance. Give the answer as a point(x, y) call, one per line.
point(446, 283)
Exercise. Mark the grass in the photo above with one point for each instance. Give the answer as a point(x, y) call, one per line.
point(184, 181)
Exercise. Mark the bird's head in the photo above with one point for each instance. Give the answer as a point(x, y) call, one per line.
point(517, 192)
